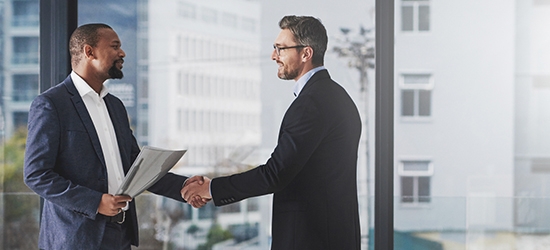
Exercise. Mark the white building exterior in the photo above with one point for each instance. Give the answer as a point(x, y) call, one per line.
point(454, 115)
point(204, 79)
point(532, 88)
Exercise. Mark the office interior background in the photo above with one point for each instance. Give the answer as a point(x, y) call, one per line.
point(470, 117)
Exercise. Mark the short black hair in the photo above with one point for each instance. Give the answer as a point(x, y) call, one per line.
point(85, 34)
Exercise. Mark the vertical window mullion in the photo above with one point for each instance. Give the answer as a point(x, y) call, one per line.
point(415, 190)
point(415, 16)
point(415, 103)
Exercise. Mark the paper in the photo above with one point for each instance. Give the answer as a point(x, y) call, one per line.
point(150, 165)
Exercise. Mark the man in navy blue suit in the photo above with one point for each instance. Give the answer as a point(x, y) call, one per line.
point(79, 147)
point(312, 171)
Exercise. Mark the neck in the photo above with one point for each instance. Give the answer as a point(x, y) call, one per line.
point(93, 80)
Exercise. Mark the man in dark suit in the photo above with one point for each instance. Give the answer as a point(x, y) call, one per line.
point(79, 147)
point(312, 171)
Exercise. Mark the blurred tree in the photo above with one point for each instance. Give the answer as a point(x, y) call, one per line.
point(11, 160)
point(215, 235)
point(20, 207)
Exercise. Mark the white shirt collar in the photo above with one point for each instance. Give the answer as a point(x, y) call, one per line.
point(299, 85)
point(83, 88)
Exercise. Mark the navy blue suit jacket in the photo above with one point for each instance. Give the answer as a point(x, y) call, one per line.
point(64, 164)
point(311, 172)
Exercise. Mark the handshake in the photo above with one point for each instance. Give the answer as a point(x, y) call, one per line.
point(196, 191)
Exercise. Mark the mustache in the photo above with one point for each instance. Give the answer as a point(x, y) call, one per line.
point(119, 60)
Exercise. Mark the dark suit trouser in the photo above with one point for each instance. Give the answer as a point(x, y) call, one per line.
point(116, 237)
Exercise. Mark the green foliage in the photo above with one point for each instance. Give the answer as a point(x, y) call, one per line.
point(11, 162)
point(215, 235)
point(193, 229)
point(20, 210)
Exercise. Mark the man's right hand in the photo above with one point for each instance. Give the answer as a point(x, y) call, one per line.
point(193, 198)
point(112, 205)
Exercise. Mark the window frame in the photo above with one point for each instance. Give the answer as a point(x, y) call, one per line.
point(415, 174)
point(415, 4)
point(416, 87)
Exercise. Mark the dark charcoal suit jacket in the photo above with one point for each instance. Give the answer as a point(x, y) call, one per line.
point(64, 164)
point(312, 172)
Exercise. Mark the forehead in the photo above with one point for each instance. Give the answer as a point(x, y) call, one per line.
point(107, 35)
point(285, 38)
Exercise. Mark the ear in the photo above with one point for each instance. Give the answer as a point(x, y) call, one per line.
point(88, 51)
point(308, 54)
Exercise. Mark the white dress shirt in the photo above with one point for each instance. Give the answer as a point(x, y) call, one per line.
point(104, 127)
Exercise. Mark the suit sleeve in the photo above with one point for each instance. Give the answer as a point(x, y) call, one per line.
point(301, 132)
point(42, 149)
point(169, 186)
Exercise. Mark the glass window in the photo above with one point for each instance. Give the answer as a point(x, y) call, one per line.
point(488, 131)
point(415, 181)
point(416, 95)
point(423, 17)
point(25, 13)
point(19, 57)
point(187, 10)
point(25, 87)
point(25, 50)
point(209, 15)
point(407, 18)
point(415, 15)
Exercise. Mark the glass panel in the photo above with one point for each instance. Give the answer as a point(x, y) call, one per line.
point(423, 189)
point(25, 87)
point(25, 50)
point(407, 18)
point(416, 79)
point(424, 102)
point(489, 189)
point(423, 17)
point(407, 189)
point(199, 75)
point(19, 67)
point(416, 165)
point(407, 102)
point(25, 13)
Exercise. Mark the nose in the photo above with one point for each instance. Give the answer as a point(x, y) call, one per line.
point(274, 55)
point(122, 53)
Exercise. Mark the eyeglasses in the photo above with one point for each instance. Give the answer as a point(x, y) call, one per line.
point(278, 49)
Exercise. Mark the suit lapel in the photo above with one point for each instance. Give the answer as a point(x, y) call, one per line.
point(85, 118)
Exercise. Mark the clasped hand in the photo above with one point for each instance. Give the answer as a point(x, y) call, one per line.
point(196, 191)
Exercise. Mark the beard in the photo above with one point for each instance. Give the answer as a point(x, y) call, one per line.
point(114, 72)
point(288, 74)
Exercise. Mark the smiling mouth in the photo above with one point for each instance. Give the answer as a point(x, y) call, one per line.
point(121, 61)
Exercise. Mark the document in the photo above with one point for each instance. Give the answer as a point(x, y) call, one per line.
point(150, 165)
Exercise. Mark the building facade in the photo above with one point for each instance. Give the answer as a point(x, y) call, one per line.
point(454, 117)
point(20, 61)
